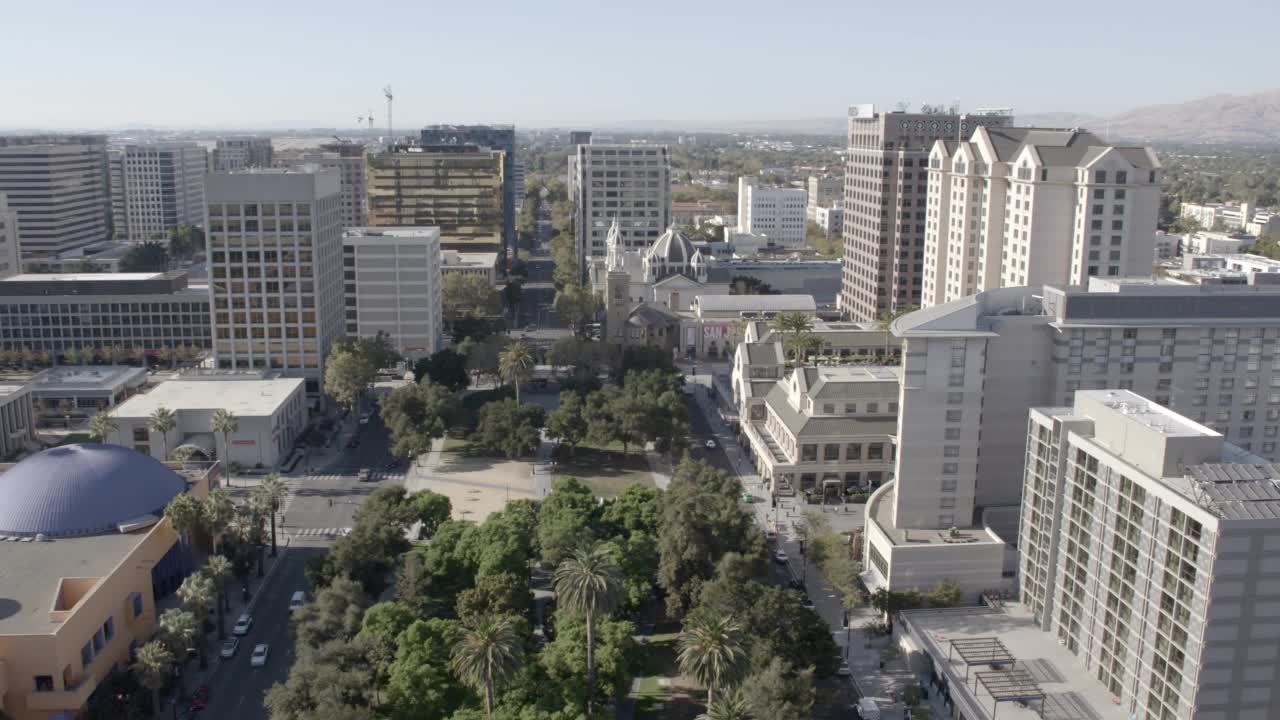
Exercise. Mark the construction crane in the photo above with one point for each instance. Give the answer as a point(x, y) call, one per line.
point(387, 91)
point(370, 117)
point(359, 121)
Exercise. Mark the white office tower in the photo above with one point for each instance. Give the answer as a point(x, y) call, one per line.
point(973, 368)
point(9, 262)
point(58, 186)
point(275, 269)
point(348, 158)
point(772, 211)
point(1025, 206)
point(1149, 549)
point(155, 188)
point(392, 284)
point(627, 183)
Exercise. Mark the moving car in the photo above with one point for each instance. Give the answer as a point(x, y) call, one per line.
point(780, 556)
point(229, 647)
point(243, 624)
point(298, 600)
point(259, 657)
point(363, 475)
point(711, 444)
point(770, 535)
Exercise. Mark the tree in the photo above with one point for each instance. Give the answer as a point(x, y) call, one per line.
point(416, 414)
point(447, 368)
point(431, 509)
point(791, 326)
point(487, 656)
point(380, 629)
point(468, 296)
point(565, 520)
point(185, 241)
point(885, 320)
point(149, 256)
point(616, 656)
point(568, 423)
point(185, 514)
point(154, 662)
point(196, 594)
point(578, 306)
point(945, 594)
point(515, 365)
point(336, 614)
point(1268, 245)
point(482, 355)
point(750, 285)
point(377, 349)
point(101, 425)
point(272, 493)
point(509, 428)
point(420, 685)
point(778, 690)
point(511, 293)
point(347, 374)
point(177, 629)
point(891, 602)
point(734, 705)
point(216, 512)
point(163, 421)
point(588, 583)
point(218, 569)
point(502, 593)
point(225, 423)
point(711, 653)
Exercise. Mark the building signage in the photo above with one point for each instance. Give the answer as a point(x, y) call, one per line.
point(244, 442)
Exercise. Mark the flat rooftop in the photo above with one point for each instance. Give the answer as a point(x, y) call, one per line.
point(246, 397)
point(1141, 411)
point(87, 377)
point(30, 571)
point(1039, 665)
point(79, 277)
point(881, 513)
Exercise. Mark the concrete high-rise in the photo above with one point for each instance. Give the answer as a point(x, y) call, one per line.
point(1024, 206)
point(491, 137)
point(627, 183)
point(349, 159)
point(57, 184)
point(457, 188)
point(10, 264)
point(576, 138)
point(155, 188)
point(825, 191)
point(275, 269)
point(392, 284)
point(772, 211)
point(241, 152)
point(885, 189)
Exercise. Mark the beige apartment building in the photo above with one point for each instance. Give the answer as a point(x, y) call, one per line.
point(57, 184)
point(1026, 206)
point(392, 284)
point(275, 270)
point(630, 184)
point(824, 191)
point(348, 158)
point(885, 192)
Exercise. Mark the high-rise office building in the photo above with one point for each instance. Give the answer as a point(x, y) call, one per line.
point(519, 184)
point(627, 183)
point(976, 365)
point(1024, 206)
point(576, 138)
point(155, 188)
point(58, 186)
point(241, 152)
point(349, 159)
point(492, 137)
point(772, 211)
point(392, 284)
point(10, 264)
point(825, 191)
point(1147, 547)
point(457, 188)
point(275, 269)
point(885, 189)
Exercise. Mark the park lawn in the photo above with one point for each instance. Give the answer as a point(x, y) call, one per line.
point(455, 444)
point(658, 692)
point(606, 473)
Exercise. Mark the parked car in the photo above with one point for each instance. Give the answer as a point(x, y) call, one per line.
point(780, 556)
point(363, 475)
point(229, 647)
point(711, 444)
point(298, 600)
point(259, 657)
point(243, 623)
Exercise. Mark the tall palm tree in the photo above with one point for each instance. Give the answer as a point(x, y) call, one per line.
point(488, 656)
point(515, 365)
point(153, 662)
point(884, 322)
point(711, 652)
point(589, 583)
point(271, 493)
point(225, 422)
point(177, 629)
point(241, 528)
point(196, 593)
point(216, 513)
point(186, 515)
point(732, 706)
point(163, 421)
point(101, 425)
point(218, 569)
point(792, 326)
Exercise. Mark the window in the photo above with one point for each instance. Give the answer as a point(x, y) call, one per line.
point(828, 409)
point(952, 433)
point(141, 434)
point(98, 641)
point(951, 451)
point(1122, 177)
point(955, 398)
point(850, 408)
point(954, 416)
point(44, 683)
point(947, 503)
point(873, 407)
point(950, 468)
point(86, 655)
point(809, 453)
point(137, 604)
point(830, 452)
point(1100, 176)
point(875, 451)
point(109, 628)
point(853, 451)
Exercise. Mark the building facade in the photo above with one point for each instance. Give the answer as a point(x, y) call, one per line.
point(885, 193)
point(57, 184)
point(825, 191)
point(491, 137)
point(348, 158)
point(775, 212)
point(240, 153)
point(1146, 545)
point(627, 183)
point(392, 284)
point(830, 219)
point(10, 262)
point(1024, 206)
point(155, 188)
point(456, 188)
point(484, 265)
point(275, 270)
point(96, 311)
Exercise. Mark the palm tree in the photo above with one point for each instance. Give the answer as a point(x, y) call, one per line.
point(488, 656)
point(177, 629)
point(225, 422)
point(257, 511)
point(884, 322)
point(216, 513)
point(186, 515)
point(153, 662)
point(272, 492)
point(793, 325)
point(101, 425)
point(515, 365)
point(732, 706)
point(196, 593)
point(590, 584)
point(163, 421)
point(712, 653)
point(218, 569)
point(241, 528)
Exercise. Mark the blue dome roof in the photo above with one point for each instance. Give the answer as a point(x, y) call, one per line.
point(83, 490)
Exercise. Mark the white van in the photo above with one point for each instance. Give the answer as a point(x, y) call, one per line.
point(868, 709)
point(298, 600)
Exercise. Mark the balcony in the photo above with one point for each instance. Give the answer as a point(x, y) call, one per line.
point(73, 698)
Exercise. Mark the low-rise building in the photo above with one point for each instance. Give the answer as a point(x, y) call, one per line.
point(776, 212)
point(1167, 246)
point(715, 324)
point(830, 219)
point(824, 191)
point(393, 286)
point(485, 265)
point(103, 257)
point(271, 411)
point(17, 420)
point(1214, 243)
point(86, 387)
point(1234, 269)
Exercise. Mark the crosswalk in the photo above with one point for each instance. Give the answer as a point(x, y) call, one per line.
point(318, 532)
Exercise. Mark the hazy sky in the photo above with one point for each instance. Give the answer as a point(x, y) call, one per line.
point(290, 63)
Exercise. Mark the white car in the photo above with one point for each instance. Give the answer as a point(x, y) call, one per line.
point(229, 647)
point(780, 556)
point(770, 535)
point(259, 657)
point(243, 624)
point(711, 444)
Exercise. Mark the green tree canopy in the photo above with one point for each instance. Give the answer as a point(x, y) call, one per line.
point(447, 368)
point(509, 428)
point(416, 414)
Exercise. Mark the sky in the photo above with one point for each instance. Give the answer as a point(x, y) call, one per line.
point(569, 63)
